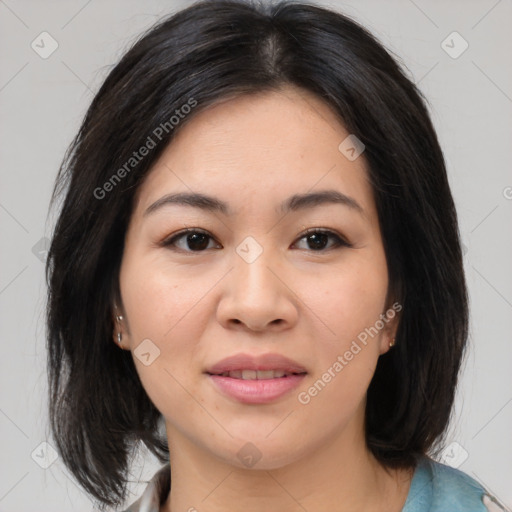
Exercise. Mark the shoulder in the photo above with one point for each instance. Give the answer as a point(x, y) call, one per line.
point(437, 487)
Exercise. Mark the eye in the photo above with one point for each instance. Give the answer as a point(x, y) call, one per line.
point(318, 240)
point(190, 240)
point(195, 240)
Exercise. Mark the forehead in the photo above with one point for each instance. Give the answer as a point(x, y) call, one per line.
point(259, 147)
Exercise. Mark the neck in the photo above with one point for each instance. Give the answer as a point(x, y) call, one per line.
point(342, 475)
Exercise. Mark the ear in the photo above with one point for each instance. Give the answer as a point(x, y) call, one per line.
point(119, 333)
point(391, 319)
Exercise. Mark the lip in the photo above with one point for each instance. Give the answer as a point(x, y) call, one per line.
point(255, 391)
point(268, 361)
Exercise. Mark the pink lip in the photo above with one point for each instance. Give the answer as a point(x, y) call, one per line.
point(262, 362)
point(256, 391)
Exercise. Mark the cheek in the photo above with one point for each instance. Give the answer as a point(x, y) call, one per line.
point(350, 299)
point(158, 301)
point(349, 303)
point(165, 308)
point(348, 351)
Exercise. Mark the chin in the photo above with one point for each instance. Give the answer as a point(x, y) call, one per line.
point(261, 453)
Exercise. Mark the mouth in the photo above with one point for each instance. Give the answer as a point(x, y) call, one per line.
point(251, 390)
point(263, 366)
point(257, 374)
point(256, 379)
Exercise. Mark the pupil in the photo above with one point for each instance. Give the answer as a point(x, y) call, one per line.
point(318, 240)
point(197, 241)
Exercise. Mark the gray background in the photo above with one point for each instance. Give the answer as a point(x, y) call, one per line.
point(42, 102)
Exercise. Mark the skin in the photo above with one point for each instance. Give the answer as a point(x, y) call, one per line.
point(254, 152)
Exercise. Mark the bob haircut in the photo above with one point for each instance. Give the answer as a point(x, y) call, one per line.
point(210, 52)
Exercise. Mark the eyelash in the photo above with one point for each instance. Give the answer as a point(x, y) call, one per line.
point(338, 240)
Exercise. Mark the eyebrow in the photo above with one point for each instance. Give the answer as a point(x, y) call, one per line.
point(293, 203)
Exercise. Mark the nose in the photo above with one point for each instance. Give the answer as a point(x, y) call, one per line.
point(256, 297)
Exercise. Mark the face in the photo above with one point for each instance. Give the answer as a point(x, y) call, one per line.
point(283, 259)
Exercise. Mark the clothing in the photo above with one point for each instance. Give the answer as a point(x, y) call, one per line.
point(435, 487)
point(155, 494)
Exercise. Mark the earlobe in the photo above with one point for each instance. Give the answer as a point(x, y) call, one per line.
point(118, 329)
point(392, 318)
point(387, 344)
point(118, 339)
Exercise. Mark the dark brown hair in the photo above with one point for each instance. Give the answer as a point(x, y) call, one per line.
point(210, 51)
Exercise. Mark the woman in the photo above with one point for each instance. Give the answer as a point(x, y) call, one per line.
point(257, 273)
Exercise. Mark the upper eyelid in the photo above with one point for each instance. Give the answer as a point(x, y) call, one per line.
point(342, 239)
point(179, 234)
